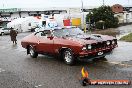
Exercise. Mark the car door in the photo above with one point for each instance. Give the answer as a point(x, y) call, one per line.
point(45, 45)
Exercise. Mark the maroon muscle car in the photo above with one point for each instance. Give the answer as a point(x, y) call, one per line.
point(69, 44)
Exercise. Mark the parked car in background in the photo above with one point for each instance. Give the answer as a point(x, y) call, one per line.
point(4, 31)
point(69, 43)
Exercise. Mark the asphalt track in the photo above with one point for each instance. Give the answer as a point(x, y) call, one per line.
point(19, 70)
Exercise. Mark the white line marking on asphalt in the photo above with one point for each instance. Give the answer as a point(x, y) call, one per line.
point(119, 63)
point(112, 62)
point(2, 70)
point(38, 86)
point(127, 65)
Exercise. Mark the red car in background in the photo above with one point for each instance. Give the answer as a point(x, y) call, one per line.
point(69, 44)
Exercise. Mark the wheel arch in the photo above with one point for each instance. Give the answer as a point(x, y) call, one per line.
point(28, 46)
point(69, 61)
point(61, 50)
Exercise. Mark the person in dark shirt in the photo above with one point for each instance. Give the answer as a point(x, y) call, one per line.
point(13, 35)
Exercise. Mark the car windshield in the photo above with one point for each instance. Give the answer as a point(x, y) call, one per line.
point(68, 32)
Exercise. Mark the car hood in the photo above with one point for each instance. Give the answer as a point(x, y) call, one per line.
point(100, 37)
point(90, 39)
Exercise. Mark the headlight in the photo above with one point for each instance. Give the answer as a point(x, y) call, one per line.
point(89, 47)
point(113, 42)
point(108, 42)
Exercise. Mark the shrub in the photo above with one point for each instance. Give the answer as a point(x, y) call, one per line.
point(102, 16)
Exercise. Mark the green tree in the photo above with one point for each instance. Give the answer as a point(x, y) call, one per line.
point(102, 17)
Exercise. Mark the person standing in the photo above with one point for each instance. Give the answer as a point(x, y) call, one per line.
point(13, 35)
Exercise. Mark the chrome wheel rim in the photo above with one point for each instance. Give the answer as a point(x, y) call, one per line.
point(68, 56)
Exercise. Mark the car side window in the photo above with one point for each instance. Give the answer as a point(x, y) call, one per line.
point(38, 34)
point(47, 32)
point(6, 29)
point(43, 33)
point(3, 29)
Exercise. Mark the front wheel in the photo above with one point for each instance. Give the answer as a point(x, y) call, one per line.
point(32, 52)
point(68, 57)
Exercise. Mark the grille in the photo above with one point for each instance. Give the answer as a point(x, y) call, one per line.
point(99, 45)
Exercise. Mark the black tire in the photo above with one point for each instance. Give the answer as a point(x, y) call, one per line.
point(68, 57)
point(2, 34)
point(32, 52)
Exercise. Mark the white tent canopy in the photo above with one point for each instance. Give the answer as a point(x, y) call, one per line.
point(22, 24)
point(21, 20)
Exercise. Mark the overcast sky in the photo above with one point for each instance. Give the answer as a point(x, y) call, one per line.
point(58, 3)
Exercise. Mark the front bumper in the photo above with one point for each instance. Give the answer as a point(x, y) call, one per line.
point(96, 53)
point(91, 57)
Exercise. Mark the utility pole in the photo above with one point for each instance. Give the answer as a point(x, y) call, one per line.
point(3, 5)
point(83, 16)
point(103, 3)
point(128, 2)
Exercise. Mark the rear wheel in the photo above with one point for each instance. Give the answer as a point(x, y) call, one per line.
point(68, 57)
point(32, 52)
